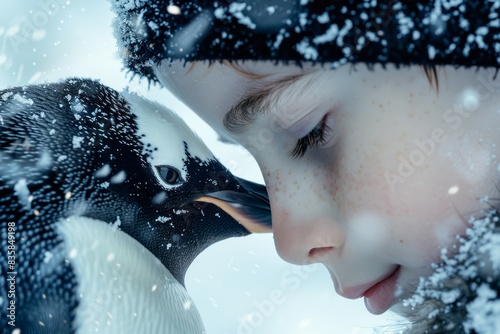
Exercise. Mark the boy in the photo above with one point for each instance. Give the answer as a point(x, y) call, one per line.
point(375, 124)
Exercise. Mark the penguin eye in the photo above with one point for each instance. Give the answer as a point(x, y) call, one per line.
point(169, 174)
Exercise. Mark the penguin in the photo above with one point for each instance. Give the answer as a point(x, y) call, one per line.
point(105, 200)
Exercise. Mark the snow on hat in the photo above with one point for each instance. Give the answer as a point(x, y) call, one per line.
point(432, 32)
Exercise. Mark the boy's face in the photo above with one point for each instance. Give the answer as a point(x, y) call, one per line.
point(388, 174)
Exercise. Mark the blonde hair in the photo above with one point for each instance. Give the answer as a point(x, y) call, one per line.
point(430, 72)
point(432, 76)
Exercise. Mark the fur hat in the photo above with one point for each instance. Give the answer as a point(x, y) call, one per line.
point(432, 32)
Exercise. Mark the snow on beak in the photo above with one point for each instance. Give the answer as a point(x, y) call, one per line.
point(247, 202)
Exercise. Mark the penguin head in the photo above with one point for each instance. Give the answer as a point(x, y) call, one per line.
point(79, 148)
point(193, 200)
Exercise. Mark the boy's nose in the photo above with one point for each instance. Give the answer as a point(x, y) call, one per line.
point(305, 240)
point(308, 224)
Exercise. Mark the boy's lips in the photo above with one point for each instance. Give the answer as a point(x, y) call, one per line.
point(380, 296)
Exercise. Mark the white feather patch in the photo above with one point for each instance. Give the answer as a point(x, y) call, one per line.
point(167, 132)
point(123, 287)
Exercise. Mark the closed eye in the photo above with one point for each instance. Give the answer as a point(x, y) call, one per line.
point(318, 136)
point(169, 175)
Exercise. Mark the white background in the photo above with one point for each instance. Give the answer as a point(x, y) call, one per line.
point(239, 285)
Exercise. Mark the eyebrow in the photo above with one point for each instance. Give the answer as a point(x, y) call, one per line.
point(249, 108)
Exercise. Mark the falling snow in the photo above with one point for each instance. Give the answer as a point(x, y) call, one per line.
point(77, 141)
point(23, 193)
point(73, 253)
point(76, 106)
point(431, 51)
point(117, 222)
point(307, 50)
point(328, 36)
point(22, 99)
point(324, 18)
point(163, 219)
point(103, 172)
point(271, 10)
point(236, 9)
point(120, 177)
point(6, 96)
point(47, 257)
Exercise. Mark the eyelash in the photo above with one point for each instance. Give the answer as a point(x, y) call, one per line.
point(315, 138)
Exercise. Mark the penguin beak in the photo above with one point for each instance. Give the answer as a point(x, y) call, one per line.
point(249, 205)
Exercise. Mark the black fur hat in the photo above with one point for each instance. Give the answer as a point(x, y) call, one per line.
point(432, 32)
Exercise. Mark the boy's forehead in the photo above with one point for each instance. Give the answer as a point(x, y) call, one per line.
point(212, 89)
point(222, 70)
